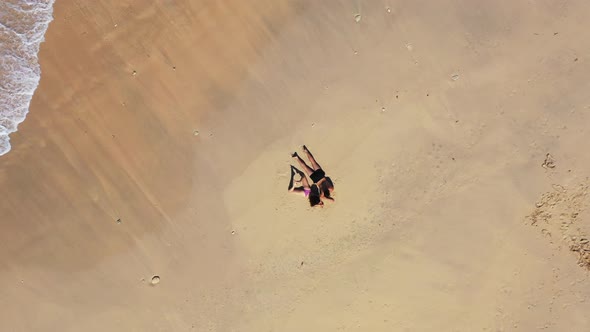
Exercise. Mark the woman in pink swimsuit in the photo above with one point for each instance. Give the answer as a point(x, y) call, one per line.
point(310, 192)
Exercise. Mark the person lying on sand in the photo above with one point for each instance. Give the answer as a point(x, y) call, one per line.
point(316, 174)
point(311, 192)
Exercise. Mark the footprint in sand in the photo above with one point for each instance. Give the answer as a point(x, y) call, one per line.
point(549, 162)
point(558, 212)
point(155, 280)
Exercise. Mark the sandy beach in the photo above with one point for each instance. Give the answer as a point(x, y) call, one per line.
point(158, 145)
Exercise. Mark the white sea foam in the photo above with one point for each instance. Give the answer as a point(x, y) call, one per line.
point(22, 26)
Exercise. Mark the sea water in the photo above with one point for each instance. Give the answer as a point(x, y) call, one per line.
point(22, 27)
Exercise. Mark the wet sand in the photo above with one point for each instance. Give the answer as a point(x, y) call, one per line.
point(158, 145)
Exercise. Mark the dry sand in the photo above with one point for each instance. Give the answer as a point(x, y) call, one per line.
point(433, 117)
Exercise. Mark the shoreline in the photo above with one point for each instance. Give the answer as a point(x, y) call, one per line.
point(20, 65)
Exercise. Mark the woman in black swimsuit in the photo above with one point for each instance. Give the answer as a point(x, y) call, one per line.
point(316, 174)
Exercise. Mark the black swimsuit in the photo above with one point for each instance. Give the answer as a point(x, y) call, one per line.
point(317, 175)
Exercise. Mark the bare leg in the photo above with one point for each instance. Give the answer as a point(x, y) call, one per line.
point(304, 183)
point(314, 163)
point(303, 180)
point(308, 169)
point(292, 178)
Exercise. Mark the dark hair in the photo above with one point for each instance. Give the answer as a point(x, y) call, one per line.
point(326, 186)
point(314, 195)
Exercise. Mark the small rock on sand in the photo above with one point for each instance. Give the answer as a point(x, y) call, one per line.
point(155, 280)
point(196, 133)
point(357, 18)
point(455, 77)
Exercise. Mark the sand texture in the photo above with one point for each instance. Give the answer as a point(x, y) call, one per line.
point(146, 190)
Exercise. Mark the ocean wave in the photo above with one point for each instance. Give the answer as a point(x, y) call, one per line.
point(23, 24)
